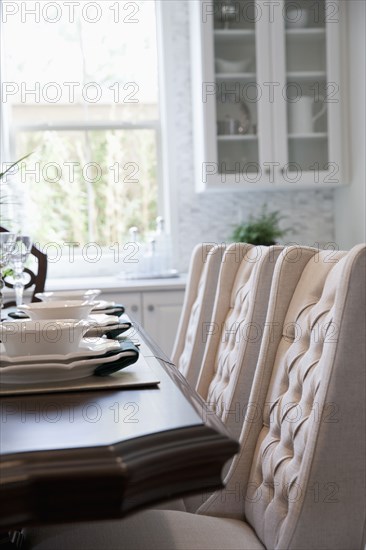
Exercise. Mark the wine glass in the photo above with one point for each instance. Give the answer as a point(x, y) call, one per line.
point(17, 259)
point(7, 244)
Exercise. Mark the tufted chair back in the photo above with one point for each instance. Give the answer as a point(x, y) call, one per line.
point(299, 480)
point(197, 309)
point(235, 332)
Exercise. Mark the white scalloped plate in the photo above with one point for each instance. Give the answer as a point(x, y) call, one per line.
point(102, 319)
point(103, 304)
point(95, 347)
point(54, 372)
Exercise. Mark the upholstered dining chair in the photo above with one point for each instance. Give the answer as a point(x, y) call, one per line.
point(299, 480)
point(35, 279)
point(197, 308)
point(232, 339)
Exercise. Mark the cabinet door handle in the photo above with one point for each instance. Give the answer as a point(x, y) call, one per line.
point(150, 308)
point(134, 308)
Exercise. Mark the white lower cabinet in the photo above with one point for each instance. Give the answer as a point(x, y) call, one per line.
point(158, 312)
point(161, 313)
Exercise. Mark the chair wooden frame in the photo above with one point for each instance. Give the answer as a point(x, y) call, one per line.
point(37, 279)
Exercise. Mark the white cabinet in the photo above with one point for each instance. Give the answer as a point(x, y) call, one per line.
point(267, 94)
point(161, 313)
point(158, 312)
point(133, 304)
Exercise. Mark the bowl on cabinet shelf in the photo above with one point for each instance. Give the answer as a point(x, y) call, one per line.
point(229, 66)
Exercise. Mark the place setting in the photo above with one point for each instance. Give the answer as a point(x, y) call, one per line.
point(69, 342)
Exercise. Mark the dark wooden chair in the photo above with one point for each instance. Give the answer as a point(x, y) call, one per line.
point(38, 279)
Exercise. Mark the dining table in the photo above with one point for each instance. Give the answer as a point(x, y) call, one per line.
point(88, 453)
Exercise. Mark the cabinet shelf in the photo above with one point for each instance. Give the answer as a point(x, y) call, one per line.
point(306, 75)
point(237, 137)
point(235, 76)
point(314, 135)
point(312, 32)
point(233, 34)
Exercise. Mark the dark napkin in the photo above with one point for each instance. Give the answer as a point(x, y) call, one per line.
point(18, 315)
point(132, 355)
point(115, 332)
point(117, 309)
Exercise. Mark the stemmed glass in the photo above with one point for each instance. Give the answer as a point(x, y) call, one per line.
point(18, 257)
point(7, 245)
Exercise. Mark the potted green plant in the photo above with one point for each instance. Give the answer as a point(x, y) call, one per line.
point(262, 230)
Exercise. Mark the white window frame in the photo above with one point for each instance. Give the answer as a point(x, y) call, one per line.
point(163, 125)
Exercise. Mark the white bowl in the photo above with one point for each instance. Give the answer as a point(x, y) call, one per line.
point(58, 295)
point(226, 66)
point(44, 337)
point(69, 309)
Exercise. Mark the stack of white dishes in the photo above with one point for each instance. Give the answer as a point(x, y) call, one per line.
point(62, 340)
point(98, 323)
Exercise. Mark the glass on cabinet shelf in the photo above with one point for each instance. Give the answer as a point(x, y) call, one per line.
point(234, 15)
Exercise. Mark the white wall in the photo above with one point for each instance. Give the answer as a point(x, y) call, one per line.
point(350, 202)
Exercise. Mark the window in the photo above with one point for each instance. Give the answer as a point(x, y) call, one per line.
point(81, 89)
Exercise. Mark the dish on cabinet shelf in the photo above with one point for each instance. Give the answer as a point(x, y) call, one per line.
point(237, 122)
point(228, 66)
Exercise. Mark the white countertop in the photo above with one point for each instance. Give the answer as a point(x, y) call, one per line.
point(115, 284)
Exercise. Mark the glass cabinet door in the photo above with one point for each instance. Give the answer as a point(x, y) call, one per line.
point(309, 93)
point(235, 76)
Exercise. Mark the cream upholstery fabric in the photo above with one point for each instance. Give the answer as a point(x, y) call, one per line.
point(151, 530)
point(298, 482)
point(199, 299)
point(236, 331)
point(233, 339)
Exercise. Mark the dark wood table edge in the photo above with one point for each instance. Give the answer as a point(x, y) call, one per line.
point(46, 487)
